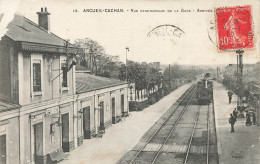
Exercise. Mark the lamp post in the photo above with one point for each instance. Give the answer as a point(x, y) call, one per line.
point(239, 78)
point(127, 49)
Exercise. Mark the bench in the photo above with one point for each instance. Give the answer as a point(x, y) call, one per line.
point(56, 156)
point(128, 114)
point(120, 119)
point(100, 133)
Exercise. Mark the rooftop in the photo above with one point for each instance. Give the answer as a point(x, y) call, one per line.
point(23, 29)
point(87, 82)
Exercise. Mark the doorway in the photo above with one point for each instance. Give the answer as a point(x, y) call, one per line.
point(38, 143)
point(65, 132)
point(122, 104)
point(86, 122)
point(3, 149)
point(113, 110)
point(101, 112)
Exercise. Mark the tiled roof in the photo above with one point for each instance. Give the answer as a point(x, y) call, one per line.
point(6, 107)
point(86, 82)
point(23, 29)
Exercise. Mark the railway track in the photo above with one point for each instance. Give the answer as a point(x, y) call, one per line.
point(185, 134)
point(191, 138)
point(209, 142)
point(189, 95)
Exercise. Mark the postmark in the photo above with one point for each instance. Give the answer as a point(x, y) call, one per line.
point(166, 30)
point(234, 28)
point(212, 31)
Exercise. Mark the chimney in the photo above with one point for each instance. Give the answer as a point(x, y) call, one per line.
point(44, 19)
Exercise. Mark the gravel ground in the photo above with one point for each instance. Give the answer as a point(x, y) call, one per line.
point(122, 137)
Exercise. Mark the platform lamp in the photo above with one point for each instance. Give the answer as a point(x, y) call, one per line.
point(127, 50)
point(80, 112)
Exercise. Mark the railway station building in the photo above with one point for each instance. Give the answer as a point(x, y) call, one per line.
point(37, 92)
point(101, 102)
point(44, 112)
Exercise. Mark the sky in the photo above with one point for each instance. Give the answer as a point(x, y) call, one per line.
point(116, 30)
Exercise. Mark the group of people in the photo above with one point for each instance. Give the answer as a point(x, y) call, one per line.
point(248, 118)
point(233, 119)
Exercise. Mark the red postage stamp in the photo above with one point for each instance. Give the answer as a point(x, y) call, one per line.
point(234, 25)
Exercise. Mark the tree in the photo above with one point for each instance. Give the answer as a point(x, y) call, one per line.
point(93, 55)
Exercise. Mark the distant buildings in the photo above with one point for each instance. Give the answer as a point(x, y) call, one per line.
point(250, 71)
point(155, 65)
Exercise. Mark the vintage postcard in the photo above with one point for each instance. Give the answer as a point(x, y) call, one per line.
point(129, 82)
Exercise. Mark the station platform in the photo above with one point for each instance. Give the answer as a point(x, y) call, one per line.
point(241, 147)
point(123, 136)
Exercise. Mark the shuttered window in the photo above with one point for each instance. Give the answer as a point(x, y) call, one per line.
point(37, 76)
point(64, 77)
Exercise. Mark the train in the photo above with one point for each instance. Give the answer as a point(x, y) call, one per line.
point(204, 92)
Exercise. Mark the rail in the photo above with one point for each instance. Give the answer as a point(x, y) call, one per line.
point(191, 90)
point(192, 134)
point(175, 124)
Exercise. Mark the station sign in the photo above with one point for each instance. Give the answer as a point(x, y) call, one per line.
point(51, 111)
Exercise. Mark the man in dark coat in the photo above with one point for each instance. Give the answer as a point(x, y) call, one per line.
point(235, 114)
point(248, 119)
point(254, 118)
point(230, 96)
point(232, 122)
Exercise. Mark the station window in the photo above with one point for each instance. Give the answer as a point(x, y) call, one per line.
point(37, 76)
point(64, 75)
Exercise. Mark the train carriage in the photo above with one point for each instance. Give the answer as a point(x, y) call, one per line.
point(204, 93)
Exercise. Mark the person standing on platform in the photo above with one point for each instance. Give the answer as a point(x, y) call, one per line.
point(232, 122)
point(230, 96)
point(254, 118)
point(248, 119)
point(235, 114)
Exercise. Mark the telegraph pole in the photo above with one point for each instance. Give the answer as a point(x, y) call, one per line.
point(127, 49)
point(127, 108)
point(239, 76)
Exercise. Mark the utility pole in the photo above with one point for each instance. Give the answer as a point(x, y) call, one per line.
point(127, 49)
point(127, 108)
point(239, 76)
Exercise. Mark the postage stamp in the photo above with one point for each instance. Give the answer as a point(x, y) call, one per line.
point(234, 28)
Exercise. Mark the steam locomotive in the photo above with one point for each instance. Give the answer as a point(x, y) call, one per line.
point(204, 93)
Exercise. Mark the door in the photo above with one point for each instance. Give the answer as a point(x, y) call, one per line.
point(65, 132)
point(102, 126)
point(3, 149)
point(113, 110)
point(86, 122)
point(38, 143)
point(122, 104)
